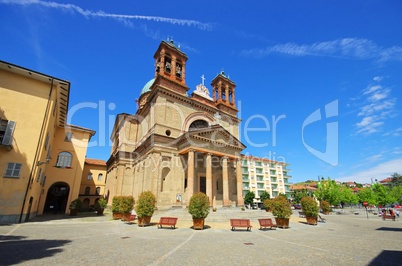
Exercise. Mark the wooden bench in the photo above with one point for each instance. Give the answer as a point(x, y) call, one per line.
point(168, 221)
point(266, 222)
point(240, 223)
point(302, 215)
point(389, 217)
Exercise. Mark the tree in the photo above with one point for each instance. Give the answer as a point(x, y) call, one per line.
point(383, 194)
point(264, 195)
point(328, 190)
point(347, 196)
point(367, 195)
point(299, 195)
point(249, 198)
point(396, 194)
point(396, 180)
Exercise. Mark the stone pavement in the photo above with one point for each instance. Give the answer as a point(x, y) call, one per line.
point(345, 239)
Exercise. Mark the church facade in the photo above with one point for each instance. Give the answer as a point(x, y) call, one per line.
point(178, 143)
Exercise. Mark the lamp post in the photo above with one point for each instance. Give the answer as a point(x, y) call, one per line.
point(365, 206)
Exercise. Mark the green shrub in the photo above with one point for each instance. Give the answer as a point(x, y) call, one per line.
point(101, 204)
point(75, 204)
point(199, 205)
point(116, 202)
point(126, 204)
point(325, 206)
point(146, 204)
point(268, 204)
point(309, 206)
point(280, 207)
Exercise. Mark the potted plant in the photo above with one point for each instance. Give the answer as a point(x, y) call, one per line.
point(74, 206)
point(325, 207)
point(116, 202)
point(145, 208)
point(267, 204)
point(126, 206)
point(280, 208)
point(199, 209)
point(310, 208)
point(101, 206)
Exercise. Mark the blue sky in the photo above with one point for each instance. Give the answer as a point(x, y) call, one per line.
point(319, 83)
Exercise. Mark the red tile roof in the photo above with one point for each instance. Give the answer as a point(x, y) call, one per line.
point(95, 161)
point(386, 180)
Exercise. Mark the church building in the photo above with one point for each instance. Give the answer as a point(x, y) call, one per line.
point(179, 141)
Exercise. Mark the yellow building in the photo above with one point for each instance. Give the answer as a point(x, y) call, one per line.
point(41, 158)
point(92, 182)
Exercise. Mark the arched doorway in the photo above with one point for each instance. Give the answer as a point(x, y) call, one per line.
point(56, 199)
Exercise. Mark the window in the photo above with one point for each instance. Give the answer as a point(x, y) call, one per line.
point(39, 175)
point(43, 180)
point(6, 132)
point(87, 190)
point(100, 176)
point(69, 136)
point(13, 170)
point(90, 176)
point(97, 191)
point(64, 159)
point(47, 140)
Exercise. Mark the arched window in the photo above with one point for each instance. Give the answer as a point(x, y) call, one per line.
point(87, 190)
point(64, 159)
point(100, 176)
point(97, 190)
point(90, 176)
point(198, 124)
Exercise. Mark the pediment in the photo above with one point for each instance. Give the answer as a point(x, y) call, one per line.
point(214, 136)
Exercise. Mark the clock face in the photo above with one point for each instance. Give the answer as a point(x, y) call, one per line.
point(199, 124)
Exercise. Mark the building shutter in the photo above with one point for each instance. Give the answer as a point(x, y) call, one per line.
point(8, 136)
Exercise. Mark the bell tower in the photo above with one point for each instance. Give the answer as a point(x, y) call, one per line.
point(170, 63)
point(223, 91)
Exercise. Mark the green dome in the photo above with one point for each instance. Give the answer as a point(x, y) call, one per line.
point(147, 87)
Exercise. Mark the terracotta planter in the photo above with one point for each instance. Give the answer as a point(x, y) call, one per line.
point(144, 220)
point(125, 216)
point(198, 223)
point(311, 220)
point(116, 215)
point(282, 222)
point(73, 212)
point(99, 212)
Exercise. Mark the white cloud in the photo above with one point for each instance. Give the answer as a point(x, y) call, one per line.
point(379, 172)
point(126, 19)
point(377, 107)
point(353, 48)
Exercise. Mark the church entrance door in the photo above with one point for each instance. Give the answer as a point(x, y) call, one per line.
point(203, 184)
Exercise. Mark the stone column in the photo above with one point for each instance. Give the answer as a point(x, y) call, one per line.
point(227, 93)
point(225, 179)
point(190, 175)
point(209, 177)
point(239, 178)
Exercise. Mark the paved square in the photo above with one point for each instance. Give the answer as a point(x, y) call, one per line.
point(345, 239)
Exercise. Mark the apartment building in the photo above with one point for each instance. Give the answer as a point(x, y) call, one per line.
point(261, 174)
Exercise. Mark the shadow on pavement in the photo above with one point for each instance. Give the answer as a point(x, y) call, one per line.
point(390, 229)
point(14, 250)
point(52, 217)
point(387, 257)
